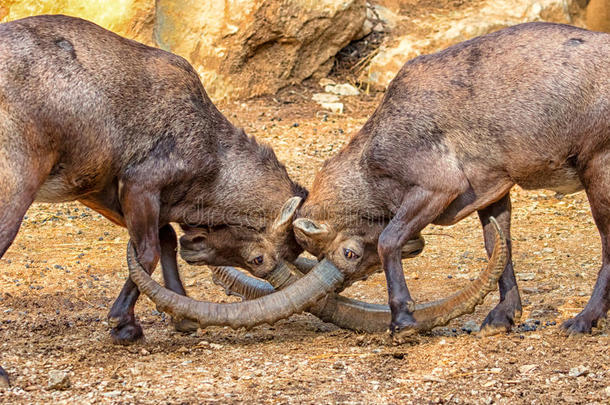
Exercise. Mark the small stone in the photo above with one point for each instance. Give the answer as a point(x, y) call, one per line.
point(144, 352)
point(527, 368)
point(58, 380)
point(325, 98)
point(578, 371)
point(339, 365)
point(337, 108)
point(326, 81)
point(215, 346)
point(414, 276)
point(344, 89)
point(432, 378)
point(607, 391)
point(526, 276)
point(111, 394)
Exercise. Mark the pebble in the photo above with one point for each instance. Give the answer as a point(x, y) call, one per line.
point(111, 394)
point(58, 380)
point(325, 98)
point(339, 365)
point(344, 89)
point(337, 108)
point(578, 371)
point(526, 276)
point(527, 368)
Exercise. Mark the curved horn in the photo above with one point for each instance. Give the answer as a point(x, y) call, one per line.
point(322, 280)
point(439, 313)
point(361, 316)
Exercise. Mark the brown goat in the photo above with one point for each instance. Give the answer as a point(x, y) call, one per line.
point(129, 131)
point(455, 131)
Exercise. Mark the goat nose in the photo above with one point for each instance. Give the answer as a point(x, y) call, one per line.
point(191, 242)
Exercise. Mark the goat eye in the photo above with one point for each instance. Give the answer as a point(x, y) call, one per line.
point(257, 261)
point(350, 254)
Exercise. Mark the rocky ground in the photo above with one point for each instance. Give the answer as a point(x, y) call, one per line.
point(67, 265)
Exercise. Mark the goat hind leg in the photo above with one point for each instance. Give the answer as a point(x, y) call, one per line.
point(597, 184)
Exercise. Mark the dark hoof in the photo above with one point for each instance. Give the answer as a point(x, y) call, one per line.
point(583, 323)
point(126, 334)
point(504, 316)
point(403, 326)
point(498, 321)
point(4, 381)
point(185, 326)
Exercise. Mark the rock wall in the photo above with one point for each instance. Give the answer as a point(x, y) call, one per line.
point(240, 48)
point(130, 18)
point(598, 15)
point(436, 31)
point(245, 48)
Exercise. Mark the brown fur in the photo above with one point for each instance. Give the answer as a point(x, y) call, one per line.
point(129, 131)
point(527, 105)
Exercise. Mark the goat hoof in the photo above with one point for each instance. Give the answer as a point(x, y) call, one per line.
point(583, 323)
point(404, 328)
point(502, 318)
point(127, 334)
point(185, 325)
point(4, 381)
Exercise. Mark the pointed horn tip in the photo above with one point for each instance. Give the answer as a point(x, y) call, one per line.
point(488, 280)
point(497, 227)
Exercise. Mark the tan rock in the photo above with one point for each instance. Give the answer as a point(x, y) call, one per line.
point(246, 48)
point(598, 15)
point(437, 31)
point(130, 18)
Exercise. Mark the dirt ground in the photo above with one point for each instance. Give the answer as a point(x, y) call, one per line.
point(67, 265)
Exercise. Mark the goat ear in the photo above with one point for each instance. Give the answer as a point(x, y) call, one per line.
point(284, 219)
point(311, 229)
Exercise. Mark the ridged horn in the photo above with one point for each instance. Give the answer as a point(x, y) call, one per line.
point(320, 281)
point(361, 316)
